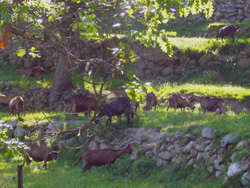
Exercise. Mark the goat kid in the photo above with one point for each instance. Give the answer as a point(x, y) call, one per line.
point(99, 157)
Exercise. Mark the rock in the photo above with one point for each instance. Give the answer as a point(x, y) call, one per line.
point(188, 147)
point(234, 169)
point(245, 179)
point(166, 155)
point(208, 133)
point(20, 132)
point(229, 139)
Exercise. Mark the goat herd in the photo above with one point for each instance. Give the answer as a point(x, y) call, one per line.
point(117, 107)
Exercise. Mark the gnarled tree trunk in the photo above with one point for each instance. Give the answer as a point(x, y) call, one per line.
point(62, 80)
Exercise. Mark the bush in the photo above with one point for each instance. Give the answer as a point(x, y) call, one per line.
point(143, 167)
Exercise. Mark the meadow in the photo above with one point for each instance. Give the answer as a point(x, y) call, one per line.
point(65, 172)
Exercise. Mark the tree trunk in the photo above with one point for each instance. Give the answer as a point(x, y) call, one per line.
point(62, 80)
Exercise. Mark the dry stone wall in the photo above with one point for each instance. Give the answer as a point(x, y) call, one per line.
point(223, 155)
point(226, 12)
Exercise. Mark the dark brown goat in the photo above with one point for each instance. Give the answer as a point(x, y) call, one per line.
point(99, 157)
point(41, 153)
point(119, 106)
point(151, 101)
point(16, 105)
point(5, 99)
point(80, 103)
point(211, 104)
point(228, 30)
point(179, 101)
point(32, 72)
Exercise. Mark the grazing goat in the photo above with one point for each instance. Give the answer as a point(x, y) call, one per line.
point(80, 103)
point(41, 153)
point(99, 157)
point(5, 99)
point(16, 105)
point(228, 30)
point(178, 101)
point(117, 108)
point(211, 104)
point(32, 72)
point(151, 101)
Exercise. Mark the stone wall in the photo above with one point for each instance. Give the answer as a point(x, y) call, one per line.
point(223, 155)
point(226, 11)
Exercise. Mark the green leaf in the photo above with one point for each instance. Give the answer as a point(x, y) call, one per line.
point(20, 52)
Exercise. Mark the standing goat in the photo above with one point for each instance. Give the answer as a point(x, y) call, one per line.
point(41, 153)
point(228, 30)
point(32, 72)
point(99, 157)
point(151, 101)
point(81, 103)
point(16, 105)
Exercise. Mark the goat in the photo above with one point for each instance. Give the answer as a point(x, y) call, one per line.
point(99, 157)
point(16, 105)
point(80, 103)
point(228, 30)
point(5, 99)
point(151, 101)
point(211, 104)
point(41, 153)
point(31, 72)
point(116, 108)
point(178, 101)
point(132, 110)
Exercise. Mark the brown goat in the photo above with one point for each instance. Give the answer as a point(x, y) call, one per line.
point(41, 153)
point(32, 72)
point(151, 101)
point(210, 104)
point(5, 99)
point(178, 101)
point(16, 105)
point(99, 157)
point(80, 103)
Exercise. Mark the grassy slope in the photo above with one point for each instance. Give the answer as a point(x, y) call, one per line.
point(61, 175)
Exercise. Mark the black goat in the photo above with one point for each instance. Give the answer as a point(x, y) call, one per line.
point(116, 108)
point(228, 30)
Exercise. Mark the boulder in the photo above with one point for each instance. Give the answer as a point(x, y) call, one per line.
point(229, 139)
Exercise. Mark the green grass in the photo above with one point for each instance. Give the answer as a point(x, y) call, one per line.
point(223, 91)
point(143, 173)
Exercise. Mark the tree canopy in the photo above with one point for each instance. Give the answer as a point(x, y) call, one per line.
point(72, 25)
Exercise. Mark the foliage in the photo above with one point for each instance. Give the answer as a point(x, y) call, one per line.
point(10, 147)
point(143, 167)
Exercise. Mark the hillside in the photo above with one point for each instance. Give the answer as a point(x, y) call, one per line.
point(171, 147)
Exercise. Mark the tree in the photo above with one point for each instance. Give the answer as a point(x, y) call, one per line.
point(69, 25)
point(73, 25)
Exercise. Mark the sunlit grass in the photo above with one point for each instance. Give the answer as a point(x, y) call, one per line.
point(58, 175)
point(223, 91)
